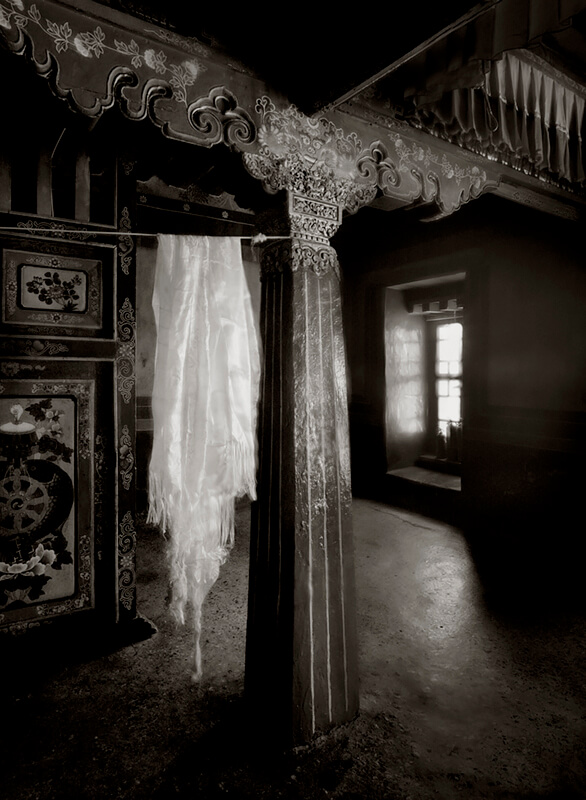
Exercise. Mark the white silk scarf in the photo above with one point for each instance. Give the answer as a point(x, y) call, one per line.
point(205, 394)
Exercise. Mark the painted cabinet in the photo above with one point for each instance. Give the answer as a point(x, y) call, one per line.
point(67, 419)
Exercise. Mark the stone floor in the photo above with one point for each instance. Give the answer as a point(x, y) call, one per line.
point(469, 689)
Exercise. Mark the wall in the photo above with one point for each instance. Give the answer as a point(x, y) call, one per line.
point(524, 354)
point(406, 391)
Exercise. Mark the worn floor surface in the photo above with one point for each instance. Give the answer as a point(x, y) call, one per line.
point(461, 696)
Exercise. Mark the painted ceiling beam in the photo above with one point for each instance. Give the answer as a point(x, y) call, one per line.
point(95, 57)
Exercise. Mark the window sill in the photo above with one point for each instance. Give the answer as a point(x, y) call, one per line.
point(439, 464)
point(427, 477)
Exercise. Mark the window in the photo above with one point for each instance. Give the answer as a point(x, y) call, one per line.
point(445, 390)
point(448, 375)
point(424, 329)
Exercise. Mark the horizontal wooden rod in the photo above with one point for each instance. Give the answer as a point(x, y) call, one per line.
point(258, 239)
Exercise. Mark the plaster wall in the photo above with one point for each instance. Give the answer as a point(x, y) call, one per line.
point(405, 385)
point(524, 354)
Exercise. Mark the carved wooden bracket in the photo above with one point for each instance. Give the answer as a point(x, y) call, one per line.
point(319, 162)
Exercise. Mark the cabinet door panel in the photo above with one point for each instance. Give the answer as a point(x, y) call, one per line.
point(55, 476)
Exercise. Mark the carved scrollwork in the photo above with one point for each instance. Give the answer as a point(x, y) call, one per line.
point(313, 220)
point(308, 156)
point(313, 228)
point(127, 562)
point(99, 487)
point(36, 347)
point(297, 256)
point(303, 205)
point(125, 243)
point(375, 166)
point(320, 260)
point(126, 458)
point(152, 90)
point(56, 229)
point(125, 357)
point(218, 118)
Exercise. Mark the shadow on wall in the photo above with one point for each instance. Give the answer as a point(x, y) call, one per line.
point(527, 542)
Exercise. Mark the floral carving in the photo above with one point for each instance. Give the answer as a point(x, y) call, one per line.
point(313, 220)
point(126, 562)
point(125, 243)
point(303, 205)
point(320, 260)
point(297, 256)
point(218, 118)
point(126, 455)
point(126, 350)
point(308, 156)
point(313, 228)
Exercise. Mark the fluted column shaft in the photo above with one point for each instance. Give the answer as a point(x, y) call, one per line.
point(301, 663)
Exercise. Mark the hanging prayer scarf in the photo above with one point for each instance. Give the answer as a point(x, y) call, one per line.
point(205, 394)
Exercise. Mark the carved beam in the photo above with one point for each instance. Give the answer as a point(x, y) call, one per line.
point(95, 57)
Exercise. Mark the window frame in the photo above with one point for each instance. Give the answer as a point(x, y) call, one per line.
point(432, 324)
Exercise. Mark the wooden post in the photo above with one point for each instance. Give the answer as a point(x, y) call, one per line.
point(5, 182)
point(44, 183)
point(301, 660)
point(82, 186)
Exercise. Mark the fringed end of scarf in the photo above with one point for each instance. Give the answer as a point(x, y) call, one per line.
point(196, 550)
point(243, 458)
point(160, 501)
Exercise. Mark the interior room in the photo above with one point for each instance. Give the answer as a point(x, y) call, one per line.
point(401, 613)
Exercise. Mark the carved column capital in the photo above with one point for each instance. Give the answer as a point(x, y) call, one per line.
point(313, 159)
point(298, 256)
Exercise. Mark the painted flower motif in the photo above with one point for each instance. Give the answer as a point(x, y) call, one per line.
point(47, 556)
point(191, 68)
point(17, 4)
point(17, 411)
point(150, 58)
point(81, 48)
point(4, 20)
point(34, 566)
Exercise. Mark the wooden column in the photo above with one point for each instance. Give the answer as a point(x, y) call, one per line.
point(5, 181)
point(301, 660)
